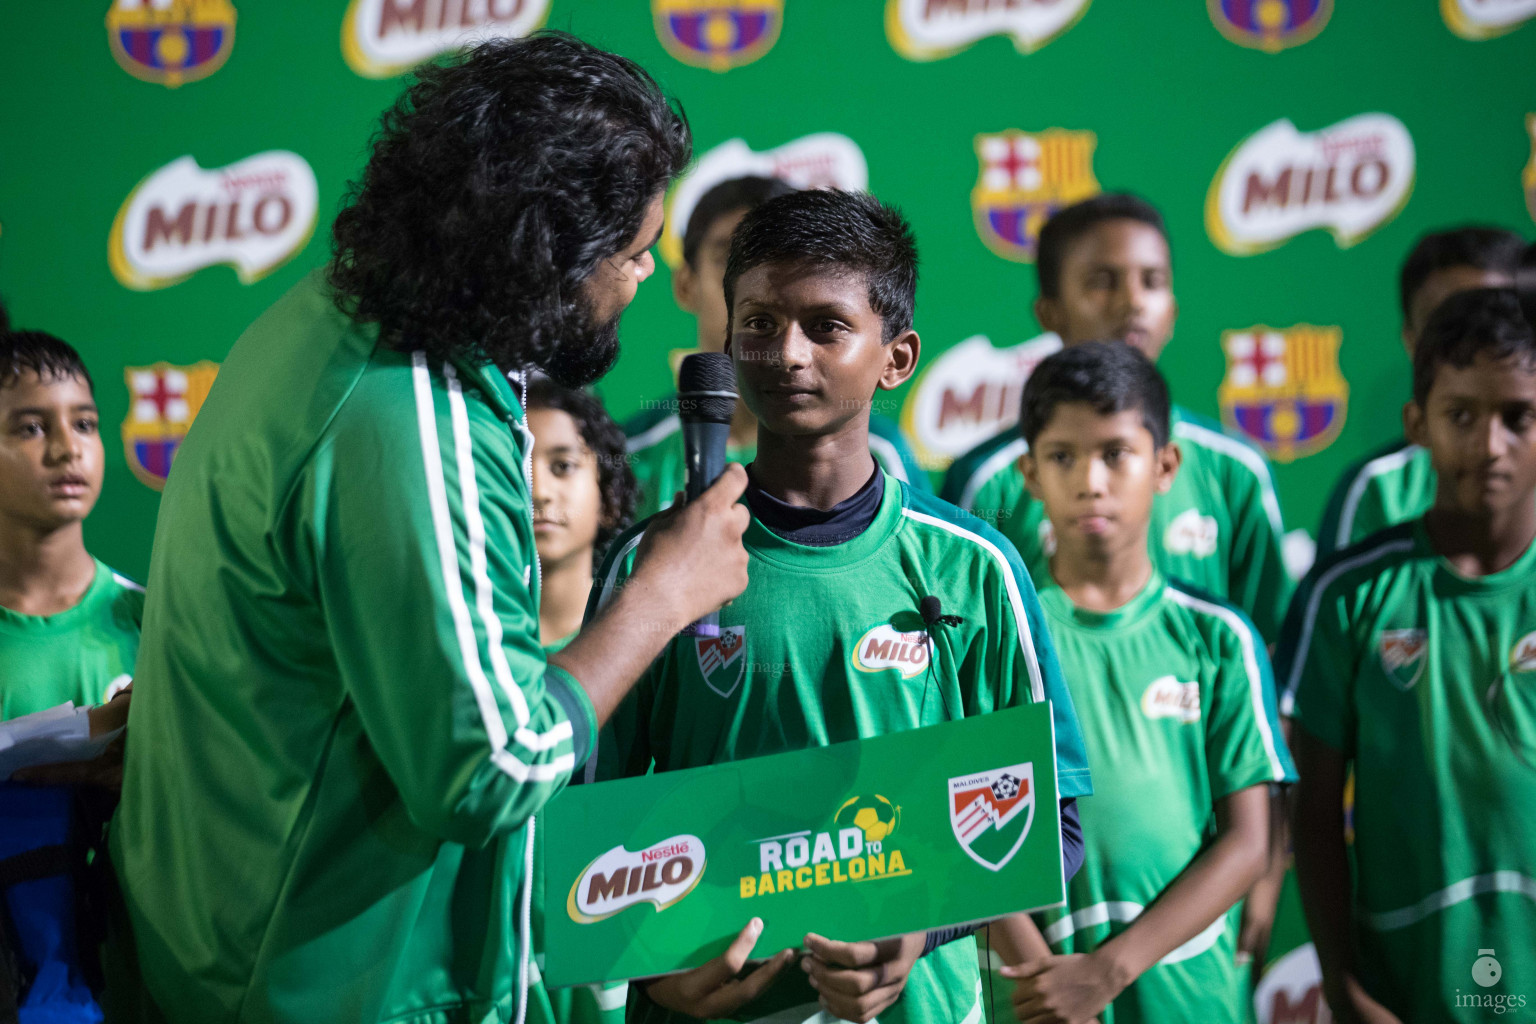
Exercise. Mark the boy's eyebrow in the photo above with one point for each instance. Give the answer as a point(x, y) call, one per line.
point(41, 410)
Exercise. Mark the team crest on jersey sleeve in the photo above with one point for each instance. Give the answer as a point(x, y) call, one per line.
point(171, 41)
point(1402, 653)
point(1270, 25)
point(1484, 19)
point(1024, 178)
point(720, 659)
point(990, 812)
point(718, 34)
point(931, 29)
point(1283, 388)
point(163, 400)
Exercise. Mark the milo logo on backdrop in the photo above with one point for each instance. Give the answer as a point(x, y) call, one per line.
point(1350, 178)
point(931, 29)
point(1484, 19)
point(255, 215)
point(853, 849)
point(661, 874)
point(380, 38)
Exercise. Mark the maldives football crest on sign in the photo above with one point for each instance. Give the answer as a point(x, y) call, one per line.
point(1270, 25)
point(1283, 388)
point(718, 34)
point(931, 29)
point(720, 659)
point(1350, 178)
point(1402, 655)
point(171, 41)
point(163, 400)
point(990, 812)
point(1025, 177)
point(380, 38)
point(1484, 19)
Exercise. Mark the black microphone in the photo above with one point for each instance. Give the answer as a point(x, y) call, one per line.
point(706, 401)
point(932, 611)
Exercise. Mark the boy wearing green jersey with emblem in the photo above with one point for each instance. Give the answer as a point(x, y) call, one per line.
point(820, 287)
point(1105, 272)
point(1411, 657)
point(1397, 483)
point(1178, 717)
point(69, 624)
point(655, 436)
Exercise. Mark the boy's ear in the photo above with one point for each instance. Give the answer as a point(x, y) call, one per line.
point(685, 285)
point(1046, 311)
point(1413, 424)
point(1031, 471)
point(901, 357)
point(1169, 458)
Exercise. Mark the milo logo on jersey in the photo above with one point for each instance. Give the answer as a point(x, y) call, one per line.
point(720, 659)
point(1270, 25)
point(171, 41)
point(380, 38)
point(1283, 388)
point(884, 646)
point(1024, 178)
point(854, 849)
point(1401, 652)
point(1291, 991)
point(820, 160)
point(1192, 533)
point(1522, 656)
point(718, 34)
point(1169, 698)
point(254, 215)
point(1350, 178)
point(1485, 19)
point(163, 400)
point(969, 394)
point(931, 29)
point(990, 812)
point(661, 874)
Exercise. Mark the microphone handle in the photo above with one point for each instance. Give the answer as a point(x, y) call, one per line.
point(704, 460)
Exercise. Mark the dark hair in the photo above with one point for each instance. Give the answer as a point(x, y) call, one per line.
point(1111, 376)
point(1482, 321)
point(735, 194)
point(5, 318)
point(1525, 283)
point(40, 353)
point(615, 479)
point(848, 232)
point(1483, 248)
point(498, 181)
point(1068, 225)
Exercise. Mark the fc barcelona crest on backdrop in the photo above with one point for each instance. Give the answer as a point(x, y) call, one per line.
point(720, 659)
point(990, 812)
point(1024, 178)
point(718, 34)
point(1283, 388)
point(171, 41)
point(163, 400)
point(1270, 25)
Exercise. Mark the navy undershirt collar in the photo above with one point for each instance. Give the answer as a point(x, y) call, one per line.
point(816, 527)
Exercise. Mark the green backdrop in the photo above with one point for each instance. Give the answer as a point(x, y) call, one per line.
point(1166, 94)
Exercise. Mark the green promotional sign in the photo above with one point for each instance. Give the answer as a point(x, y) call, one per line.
point(923, 829)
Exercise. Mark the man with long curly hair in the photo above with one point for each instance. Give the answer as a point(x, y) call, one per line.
point(344, 722)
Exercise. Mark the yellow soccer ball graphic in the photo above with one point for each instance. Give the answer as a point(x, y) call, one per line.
point(875, 815)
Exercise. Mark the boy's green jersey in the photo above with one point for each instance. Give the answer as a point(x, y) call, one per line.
point(343, 721)
point(1387, 487)
point(1218, 529)
point(1426, 681)
point(656, 455)
point(826, 645)
point(84, 654)
point(1178, 710)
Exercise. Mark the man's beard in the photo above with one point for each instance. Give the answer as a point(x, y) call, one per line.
point(587, 349)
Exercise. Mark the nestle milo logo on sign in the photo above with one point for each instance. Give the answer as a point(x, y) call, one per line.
point(661, 874)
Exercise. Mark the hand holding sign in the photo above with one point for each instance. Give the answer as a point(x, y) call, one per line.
point(858, 980)
point(713, 990)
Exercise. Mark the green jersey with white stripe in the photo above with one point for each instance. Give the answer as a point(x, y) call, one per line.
point(1178, 710)
point(1218, 529)
point(656, 455)
point(1387, 487)
point(1426, 681)
point(83, 654)
point(343, 722)
point(825, 645)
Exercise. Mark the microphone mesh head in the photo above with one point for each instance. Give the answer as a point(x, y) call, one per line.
point(706, 388)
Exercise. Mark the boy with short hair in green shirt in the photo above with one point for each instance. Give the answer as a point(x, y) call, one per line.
point(655, 435)
point(69, 625)
point(1411, 657)
point(1397, 483)
point(1106, 272)
point(1178, 718)
point(827, 644)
